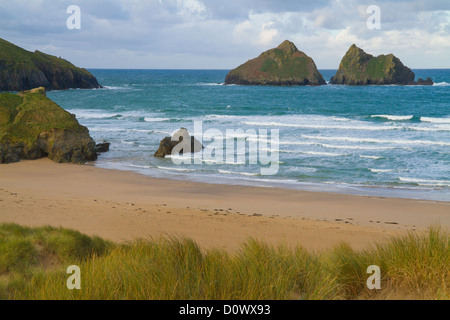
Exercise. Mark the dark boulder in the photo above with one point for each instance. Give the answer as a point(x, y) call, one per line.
point(422, 82)
point(178, 139)
point(102, 147)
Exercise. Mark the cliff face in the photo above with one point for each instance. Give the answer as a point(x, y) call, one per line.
point(32, 126)
point(282, 66)
point(24, 70)
point(359, 68)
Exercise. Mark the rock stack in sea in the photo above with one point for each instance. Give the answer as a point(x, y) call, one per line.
point(284, 65)
point(360, 68)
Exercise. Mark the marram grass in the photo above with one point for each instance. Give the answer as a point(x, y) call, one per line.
point(33, 263)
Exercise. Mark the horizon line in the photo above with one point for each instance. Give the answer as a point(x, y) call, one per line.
point(227, 69)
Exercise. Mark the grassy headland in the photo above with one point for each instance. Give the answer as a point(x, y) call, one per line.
point(24, 70)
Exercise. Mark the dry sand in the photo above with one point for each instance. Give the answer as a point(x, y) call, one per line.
point(122, 206)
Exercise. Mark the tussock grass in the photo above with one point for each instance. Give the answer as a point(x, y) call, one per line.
point(412, 267)
point(26, 252)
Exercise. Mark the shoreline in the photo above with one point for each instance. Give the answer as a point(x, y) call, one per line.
point(122, 206)
point(380, 191)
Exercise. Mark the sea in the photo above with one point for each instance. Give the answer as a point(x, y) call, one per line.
point(384, 141)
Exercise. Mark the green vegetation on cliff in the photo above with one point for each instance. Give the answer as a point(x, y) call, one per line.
point(32, 126)
point(284, 65)
point(30, 113)
point(359, 68)
point(25, 70)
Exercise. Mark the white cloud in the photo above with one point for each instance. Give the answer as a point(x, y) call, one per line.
point(219, 34)
point(191, 7)
point(259, 30)
point(267, 34)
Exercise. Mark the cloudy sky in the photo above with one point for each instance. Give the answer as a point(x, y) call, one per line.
point(221, 34)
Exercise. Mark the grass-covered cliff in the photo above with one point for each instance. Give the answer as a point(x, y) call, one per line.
point(360, 68)
point(24, 70)
point(33, 126)
point(284, 65)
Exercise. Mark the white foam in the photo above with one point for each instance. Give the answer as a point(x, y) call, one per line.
point(115, 88)
point(93, 114)
point(235, 135)
point(141, 130)
point(441, 84)
point(162, 132)
point(326, 154)
point(425, 182)
point(392, 117)
point(217, 161)
point(219, 116)
point(138, 166)
point(101, 114)
point(435, 128)
point(381, 170)
point(314, 153)
point(148, 119)
point(435, 120)
point(275, 181)
point(175, 169)
point(295, 119)
point(124, 130)
point(239, 173)
point(371, 157)
point(371, 140)
point(355, 147)
point(318, 126)
point(293, 143)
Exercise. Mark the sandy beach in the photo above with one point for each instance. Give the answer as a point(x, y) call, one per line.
point(122, 206)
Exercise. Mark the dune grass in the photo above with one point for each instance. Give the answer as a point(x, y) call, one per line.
point(26, 252)
point(33, 265)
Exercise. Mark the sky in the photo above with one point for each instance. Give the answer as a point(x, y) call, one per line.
point(222, 34)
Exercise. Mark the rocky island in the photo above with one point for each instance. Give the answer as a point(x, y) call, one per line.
point(282, 66)
point(24, 70)
point(360, 68)
point(33, 126)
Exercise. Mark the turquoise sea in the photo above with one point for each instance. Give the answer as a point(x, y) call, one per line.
point(391, 141)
